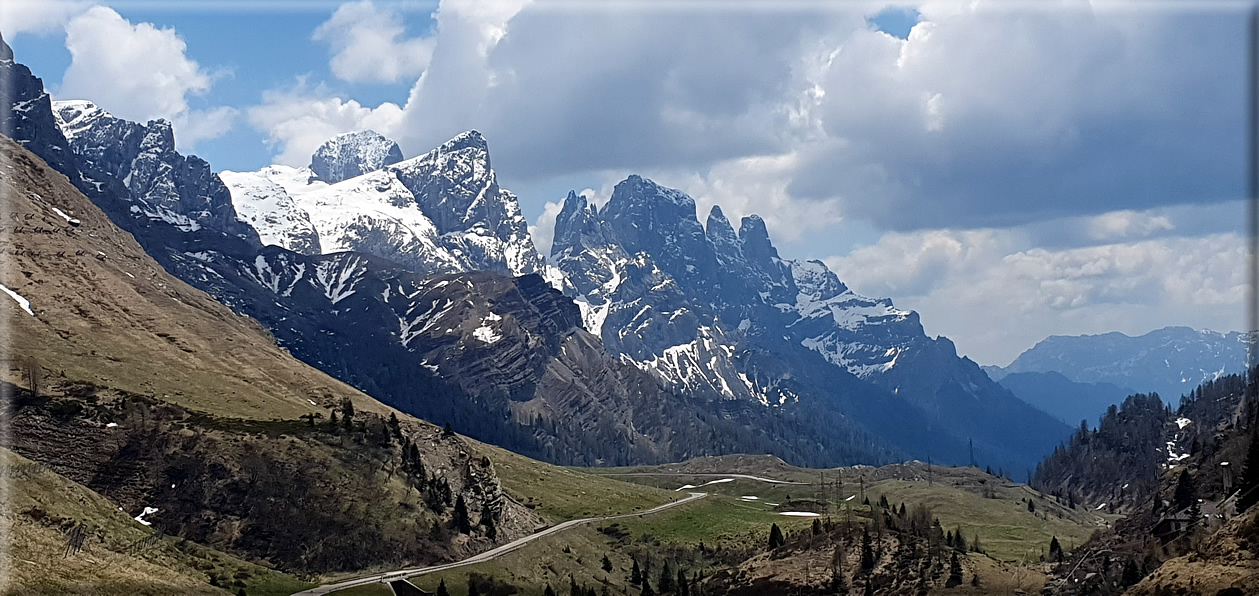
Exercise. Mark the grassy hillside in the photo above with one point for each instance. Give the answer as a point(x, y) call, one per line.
point(724, 537)
point(560, 494)
point(150, 393)
point(106, 313)
point(118, 554)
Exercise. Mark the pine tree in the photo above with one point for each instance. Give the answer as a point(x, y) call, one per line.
point(1248, 483)
point(683, 588)
point(838, 585)
point(869, 591)
point(332, 420)
point(441, 589)
point(666, 579)
point(347, 414)
point(776, 537)
point(867, 552)
point(394, 425)
point(460, 521)
point(448, 430)
point(573, 588)
point(549, 591)
point(607, 563)
point(636, 574)
point(647, 591)
point(955, 572)
point(1185, 490)
point(487, 521)
point(959, 541)
point(472, 587)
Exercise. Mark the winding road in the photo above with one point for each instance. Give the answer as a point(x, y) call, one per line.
point(487, 555)
point(704, 475)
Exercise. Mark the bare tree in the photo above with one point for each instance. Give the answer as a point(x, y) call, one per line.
point(33, 372)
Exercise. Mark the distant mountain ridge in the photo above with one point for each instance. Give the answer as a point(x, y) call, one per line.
point(1170, 361)
point(1063, 398)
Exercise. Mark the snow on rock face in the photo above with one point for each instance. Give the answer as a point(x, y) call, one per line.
point(267, 207)
point(442, 212)
point(21, 302)
point(353, 154)
point(138, 164)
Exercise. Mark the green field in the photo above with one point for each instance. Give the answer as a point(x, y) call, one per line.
point(560, 494)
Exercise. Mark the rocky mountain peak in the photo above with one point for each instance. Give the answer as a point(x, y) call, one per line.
point(754, 238)
point(353, 154)
point(578, 225)
point(719, 229)
point(6, 52)
point(471, 139)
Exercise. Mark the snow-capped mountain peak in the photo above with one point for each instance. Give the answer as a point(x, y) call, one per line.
point(441, 212)
point(353, 154)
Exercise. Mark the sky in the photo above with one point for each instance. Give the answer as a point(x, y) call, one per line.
point(1009, 169)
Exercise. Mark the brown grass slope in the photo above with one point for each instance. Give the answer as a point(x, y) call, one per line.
point(151, 393)
point(106, 313)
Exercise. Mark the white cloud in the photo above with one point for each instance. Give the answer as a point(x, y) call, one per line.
point(37, 16)
point(370, 45)
point(139, 72)
point(992, 116)
point(543, 230)
point(995, 295)
point(298, 120)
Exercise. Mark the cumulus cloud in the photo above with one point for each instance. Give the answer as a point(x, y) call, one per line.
point(139, 72)
point(987, 116)
point(756, 185)
point(369, 44)
point(38, 16)
point(984, 116)
point(996, 294)
point(543, 229)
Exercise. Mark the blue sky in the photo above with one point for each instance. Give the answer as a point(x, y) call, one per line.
point(1072, 166)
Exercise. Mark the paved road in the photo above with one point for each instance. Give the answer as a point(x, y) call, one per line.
point(487, 555)
point(705, 475)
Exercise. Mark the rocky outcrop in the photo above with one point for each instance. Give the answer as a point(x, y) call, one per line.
point(353, 154)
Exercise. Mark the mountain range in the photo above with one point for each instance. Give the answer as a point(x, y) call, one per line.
point(1171, 361)
point(646, 337)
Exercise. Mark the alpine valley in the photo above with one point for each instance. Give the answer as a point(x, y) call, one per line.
point(299, 380)
point(645, 337)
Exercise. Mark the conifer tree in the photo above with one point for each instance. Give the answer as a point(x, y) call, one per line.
point(683, 589)
point(549, 591)
point(959, 541)
point(441, 589)
point(460, 521)
point(1185, 490)
point(607, 563)
point(955, 572)
point(1055, 549)
point(636, 574)
point(1248, 483)
point(394, 426)
point(472, 587)
point(867, 552)
point(666, 579)
point(487, 521)
point(573, 588)
point(776, 537)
